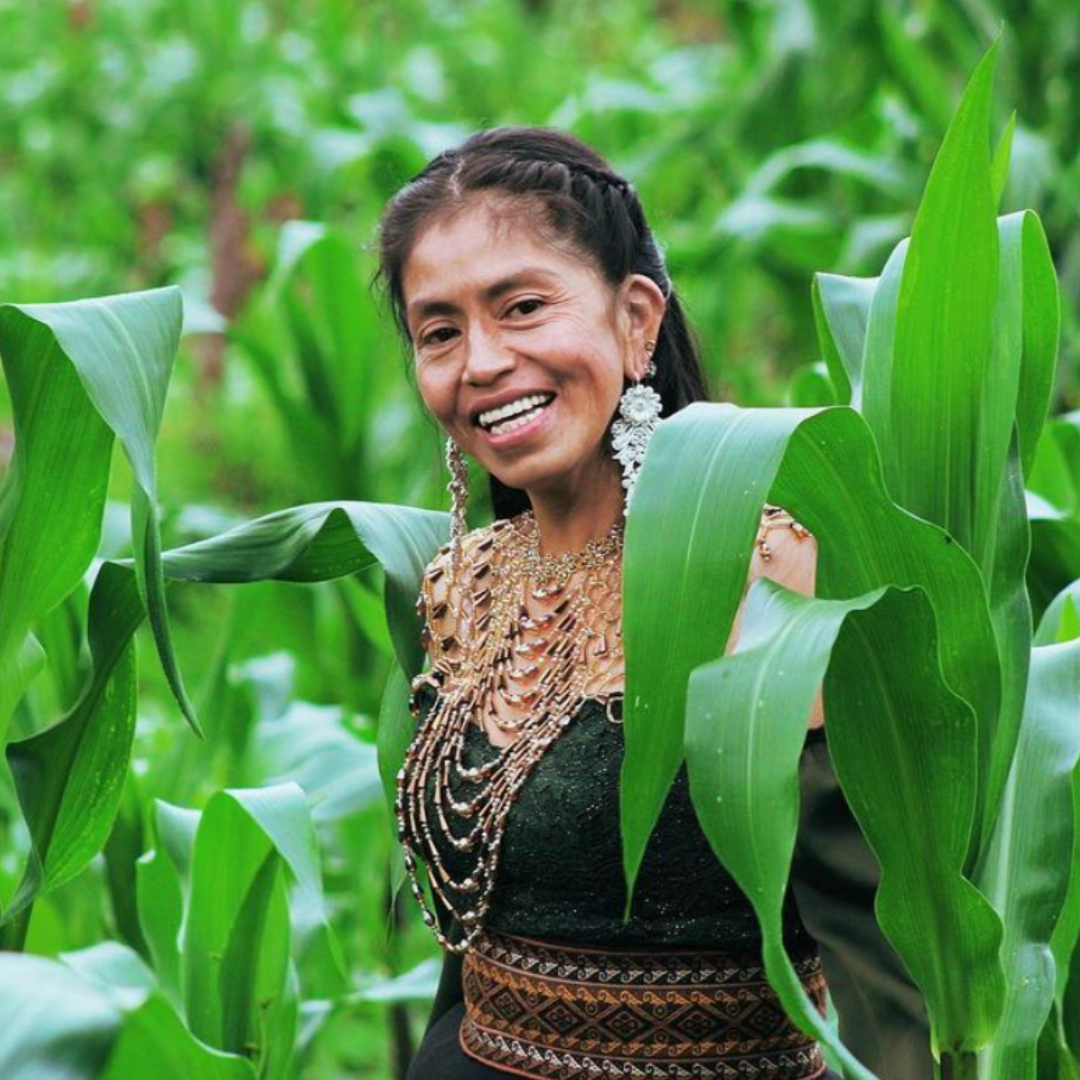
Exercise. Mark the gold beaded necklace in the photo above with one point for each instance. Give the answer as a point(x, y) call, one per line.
point(508, 627)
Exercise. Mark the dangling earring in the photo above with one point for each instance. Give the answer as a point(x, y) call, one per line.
point(639, 412)
point(459, 494)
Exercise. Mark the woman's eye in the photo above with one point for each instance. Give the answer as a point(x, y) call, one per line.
point(429, 339)
point(522, 303)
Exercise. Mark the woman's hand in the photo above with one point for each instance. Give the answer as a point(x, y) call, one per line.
point(792, 563)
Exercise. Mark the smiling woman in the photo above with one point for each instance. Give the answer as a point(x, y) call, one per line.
point(522, 351)
point(547, 340)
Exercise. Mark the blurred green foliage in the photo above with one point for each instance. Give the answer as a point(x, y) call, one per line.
point(237, 149)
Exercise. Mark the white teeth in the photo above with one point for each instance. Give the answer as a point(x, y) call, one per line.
point(518, 421)
point(512, 408)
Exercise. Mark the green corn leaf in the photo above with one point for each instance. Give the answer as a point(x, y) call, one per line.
point(161, 912)
point(163, 886)
point(97, 1016)
point(841, 312)
point(70, 777)
point(236, 935)
point(688, 544)
point(922, 396)
point(155, 1033)
point(55, 1025)
point(1025, 875)
point(959, 341)
point(999, 166)
point(80, 374)
point(396, 730)
point(744, 757)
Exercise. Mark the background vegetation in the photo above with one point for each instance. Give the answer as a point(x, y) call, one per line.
point(244, 151)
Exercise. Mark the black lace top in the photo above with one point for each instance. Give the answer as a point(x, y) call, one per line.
point(560, 877)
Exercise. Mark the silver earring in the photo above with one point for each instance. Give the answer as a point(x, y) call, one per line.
point(459, 494)
point(639, 416)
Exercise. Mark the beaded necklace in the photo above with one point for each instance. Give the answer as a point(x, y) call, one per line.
point(506, 627)
point(510, 627)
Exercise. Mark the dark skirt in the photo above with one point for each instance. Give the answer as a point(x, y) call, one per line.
point(440, 1056)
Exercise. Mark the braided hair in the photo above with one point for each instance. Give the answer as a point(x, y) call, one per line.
point(583, 201)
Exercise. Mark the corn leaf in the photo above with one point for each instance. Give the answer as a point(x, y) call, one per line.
point(81, 373)
point(1025, 875)
point(883, 687)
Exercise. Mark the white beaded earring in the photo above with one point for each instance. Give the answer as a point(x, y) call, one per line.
point(639, 416)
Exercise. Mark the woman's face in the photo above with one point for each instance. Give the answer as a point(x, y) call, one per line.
point(496, 314)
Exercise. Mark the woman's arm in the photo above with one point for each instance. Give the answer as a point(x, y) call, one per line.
point(790, 559)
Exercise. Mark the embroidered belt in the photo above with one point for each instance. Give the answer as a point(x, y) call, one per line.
point(561, 1012)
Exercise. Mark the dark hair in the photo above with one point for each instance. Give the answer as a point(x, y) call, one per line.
point(583, 200)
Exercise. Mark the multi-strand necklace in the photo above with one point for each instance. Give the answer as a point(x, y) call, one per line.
point(508, 629)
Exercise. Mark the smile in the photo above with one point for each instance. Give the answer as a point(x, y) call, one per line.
point(505, 431)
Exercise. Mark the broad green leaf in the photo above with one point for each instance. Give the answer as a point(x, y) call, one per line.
point(60, 634)
point(122, 851)
point(97, 1016)
point(237, 929)
point(115, 970)
point(689, 538)
point(1041, 328)
point(885, 677)
point(1025, 876)
point(999, 166)
point(55, 1025)
point(282, 813)
point(841, 313)
point(1010, 611)
point(70, 777)
point(82, 372)
point(953, 362)
point(323, 541)
point(923, 401)
point(163, 886)
point(688, 544)
point(743, 759)
point(155, 1033)
point(73, 773)
point(396, 730)
point(161, 912)
point(51, 497)
point(255, 963)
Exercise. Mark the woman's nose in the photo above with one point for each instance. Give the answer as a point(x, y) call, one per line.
point(486, 357)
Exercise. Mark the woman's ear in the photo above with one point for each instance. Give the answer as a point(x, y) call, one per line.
point(643, 307)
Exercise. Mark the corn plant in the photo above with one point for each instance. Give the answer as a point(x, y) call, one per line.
point(954, 736)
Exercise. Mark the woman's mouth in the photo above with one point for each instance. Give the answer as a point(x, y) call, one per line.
point(518, 428)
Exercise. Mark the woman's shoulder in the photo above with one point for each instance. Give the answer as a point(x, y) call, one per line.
point(474, 545)
point(447, 582)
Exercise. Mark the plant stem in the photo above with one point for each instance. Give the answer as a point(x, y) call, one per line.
point(13, 936)
point(958, 1066)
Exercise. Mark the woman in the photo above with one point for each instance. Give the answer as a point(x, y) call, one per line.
point(548, 340)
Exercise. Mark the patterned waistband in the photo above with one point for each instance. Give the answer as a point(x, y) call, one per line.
point(560, 1012)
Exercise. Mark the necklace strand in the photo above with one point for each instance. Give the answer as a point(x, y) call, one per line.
point(496, 643)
